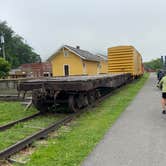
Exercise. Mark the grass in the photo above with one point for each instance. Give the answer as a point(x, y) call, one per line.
point(10, 111)
point(25, 129)
point(73, 143)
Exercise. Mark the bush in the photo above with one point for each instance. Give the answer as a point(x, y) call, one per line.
point(4, 68)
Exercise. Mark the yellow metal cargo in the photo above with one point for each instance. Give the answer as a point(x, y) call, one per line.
point(124, 59)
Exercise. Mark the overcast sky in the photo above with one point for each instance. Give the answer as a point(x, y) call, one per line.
point(94, 25)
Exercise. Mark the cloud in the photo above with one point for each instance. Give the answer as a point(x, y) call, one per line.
point(95, 25)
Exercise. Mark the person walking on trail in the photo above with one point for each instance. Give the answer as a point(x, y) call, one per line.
point(163, 100)
point(160, 75)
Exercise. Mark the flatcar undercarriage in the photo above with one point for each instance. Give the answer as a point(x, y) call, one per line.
point(73, 92)
point(49, 100)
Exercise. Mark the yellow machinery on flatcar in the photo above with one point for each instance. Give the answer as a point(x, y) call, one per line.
point(124, 59)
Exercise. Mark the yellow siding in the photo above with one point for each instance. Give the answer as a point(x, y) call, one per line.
point(104, 67)
point(91, 67)
point(74, 62)
point(94, 68)
point(124, 59)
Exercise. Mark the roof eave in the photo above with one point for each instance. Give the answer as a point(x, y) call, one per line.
point(54, 54)
point(74, 52)
point(92, 60)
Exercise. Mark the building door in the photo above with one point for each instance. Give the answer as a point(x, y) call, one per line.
point(66, 70)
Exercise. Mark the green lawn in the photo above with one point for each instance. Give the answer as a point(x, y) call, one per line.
point(22, 130)
point(72, 144)
point(10, 111)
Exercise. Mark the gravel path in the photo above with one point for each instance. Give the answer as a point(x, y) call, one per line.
point(138, 138)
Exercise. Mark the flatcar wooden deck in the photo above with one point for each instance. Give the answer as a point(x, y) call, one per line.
point(75, 83)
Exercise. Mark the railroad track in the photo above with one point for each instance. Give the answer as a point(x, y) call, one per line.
point(9, 125)
point(6, 153)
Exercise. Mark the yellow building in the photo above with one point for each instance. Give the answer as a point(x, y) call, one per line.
point(103, 65)
point(75, 61)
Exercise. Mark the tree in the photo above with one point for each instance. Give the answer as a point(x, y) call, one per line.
point(4, 68)
point(154, 64)
point(17, 51)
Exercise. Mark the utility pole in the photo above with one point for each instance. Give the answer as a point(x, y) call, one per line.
point(163, 62)
point(2, 40)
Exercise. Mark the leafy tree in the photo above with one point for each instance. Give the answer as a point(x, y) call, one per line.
point(17, 51)
point(154, 64)
point(4, 68)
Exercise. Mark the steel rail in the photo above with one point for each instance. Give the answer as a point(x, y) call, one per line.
point(9, 125)
point(6, 153)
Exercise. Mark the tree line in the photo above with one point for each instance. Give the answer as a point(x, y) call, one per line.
point(16, 50)
point(154, 64)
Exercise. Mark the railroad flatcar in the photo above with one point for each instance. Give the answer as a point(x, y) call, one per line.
point(125, 59)
point(124, 63)
point(74, 91)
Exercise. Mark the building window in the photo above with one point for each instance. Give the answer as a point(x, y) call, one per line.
point(66, 53)
point(84, 68)
point(84, 65)
point(99, 66)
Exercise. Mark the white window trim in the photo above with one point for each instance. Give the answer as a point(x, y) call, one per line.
point(64, 69)
point(98, 68)
point(84, 68)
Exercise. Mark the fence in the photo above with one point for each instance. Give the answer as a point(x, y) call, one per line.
point(9, 86)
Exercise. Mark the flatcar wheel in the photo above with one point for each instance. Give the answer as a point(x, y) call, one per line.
point(97, 94)
point(72, 104)
point(38, 102)
point(91, 98)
